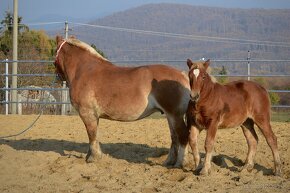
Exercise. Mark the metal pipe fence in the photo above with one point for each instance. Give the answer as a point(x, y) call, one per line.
point(62, 90)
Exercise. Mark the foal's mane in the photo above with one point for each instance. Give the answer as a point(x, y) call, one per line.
point(83, 45)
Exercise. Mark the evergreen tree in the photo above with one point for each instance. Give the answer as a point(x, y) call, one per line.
point(98, 50)
point(223, 79)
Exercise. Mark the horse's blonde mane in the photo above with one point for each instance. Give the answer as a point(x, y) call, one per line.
point(84, 46)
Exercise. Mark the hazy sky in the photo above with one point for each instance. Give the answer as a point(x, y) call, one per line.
point(60, 10)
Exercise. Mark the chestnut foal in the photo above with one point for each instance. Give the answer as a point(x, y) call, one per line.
point(239, 103)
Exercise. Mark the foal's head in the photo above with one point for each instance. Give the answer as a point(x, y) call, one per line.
point(198, 77)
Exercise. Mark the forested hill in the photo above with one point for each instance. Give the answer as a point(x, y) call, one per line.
point(249, 24)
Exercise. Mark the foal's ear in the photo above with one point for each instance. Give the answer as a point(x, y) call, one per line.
point(189, 63)
point(206, 64)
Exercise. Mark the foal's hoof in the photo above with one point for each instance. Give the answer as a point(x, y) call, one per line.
point(204, 172)
point(90, 158)
point(279, 172)
point(247, 167)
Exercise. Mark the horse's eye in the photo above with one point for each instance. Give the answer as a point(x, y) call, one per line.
point(203, 77)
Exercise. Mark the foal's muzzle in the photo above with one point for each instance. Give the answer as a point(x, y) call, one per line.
point(194, 97)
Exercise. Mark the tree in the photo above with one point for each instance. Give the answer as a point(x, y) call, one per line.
point(98, 50)
point(7, 22)
point(6, 33)
point(274, 97)
point(223, 79)
point(32, 45)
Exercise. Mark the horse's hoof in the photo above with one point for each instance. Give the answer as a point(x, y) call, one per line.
point(178, 165)
point(169, 163)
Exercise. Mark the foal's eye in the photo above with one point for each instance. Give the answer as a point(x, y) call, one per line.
point(203, 77)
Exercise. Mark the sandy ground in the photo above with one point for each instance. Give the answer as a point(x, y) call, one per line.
point(51, 158)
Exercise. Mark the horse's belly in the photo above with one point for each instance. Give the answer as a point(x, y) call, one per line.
point(232, 121)
point(136, 109)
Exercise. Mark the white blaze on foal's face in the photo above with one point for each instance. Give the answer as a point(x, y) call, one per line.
point(196, 72)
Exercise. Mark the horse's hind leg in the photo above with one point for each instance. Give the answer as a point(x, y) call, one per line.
point(264, 125)
point(182, 134)
point(252, 140)
point(91, 122)
point(173, 151)
point(179, 138)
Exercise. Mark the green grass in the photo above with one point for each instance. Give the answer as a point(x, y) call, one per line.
point(280, 116)
point(277, 116)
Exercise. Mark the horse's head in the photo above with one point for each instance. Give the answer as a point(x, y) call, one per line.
point(59, 59)
point(198, 77)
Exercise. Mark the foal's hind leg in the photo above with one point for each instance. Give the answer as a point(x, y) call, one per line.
point(264, 125)
point(91, 122)
point(252, 140)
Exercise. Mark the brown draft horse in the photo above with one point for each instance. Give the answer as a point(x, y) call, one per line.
point(239, 103)
point(100, 89)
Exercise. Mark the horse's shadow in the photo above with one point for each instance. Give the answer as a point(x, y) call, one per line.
point(134, 153)
point(233, 164)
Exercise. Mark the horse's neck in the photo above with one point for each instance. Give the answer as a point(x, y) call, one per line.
point(83, 62)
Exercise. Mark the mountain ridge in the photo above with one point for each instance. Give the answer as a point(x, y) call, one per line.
point(248, 24)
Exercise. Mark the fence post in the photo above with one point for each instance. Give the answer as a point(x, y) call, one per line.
point(249, 64)
point(63, 98)
point(15, 56)
point(6, 87)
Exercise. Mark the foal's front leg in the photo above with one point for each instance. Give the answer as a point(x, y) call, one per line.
point(91, 122)
point(194, 145)
point(209, 144)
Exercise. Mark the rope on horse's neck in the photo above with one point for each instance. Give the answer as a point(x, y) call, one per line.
point(58, 50)
point(33, 123)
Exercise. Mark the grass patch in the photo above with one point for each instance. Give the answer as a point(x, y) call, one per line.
point(280, 116)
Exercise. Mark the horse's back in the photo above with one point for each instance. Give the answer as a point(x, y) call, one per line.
point(130, 93)
point(254, 97)
point(170, 88)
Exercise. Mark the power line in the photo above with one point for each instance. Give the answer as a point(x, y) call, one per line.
point(190, 37)
point(175, 35)
point(43, 23)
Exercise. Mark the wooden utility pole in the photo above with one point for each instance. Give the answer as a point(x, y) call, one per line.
point(15, 57)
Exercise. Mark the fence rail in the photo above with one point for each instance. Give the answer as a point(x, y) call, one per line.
point(64, 100)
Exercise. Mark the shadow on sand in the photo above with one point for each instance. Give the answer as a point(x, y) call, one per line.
point(133, 153)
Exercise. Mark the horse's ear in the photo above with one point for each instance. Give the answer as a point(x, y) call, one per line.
point(58, 39)
point(206, 64)
point(189, 63)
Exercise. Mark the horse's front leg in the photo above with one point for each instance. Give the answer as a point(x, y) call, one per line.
point(209, 144)
point(91, 122)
